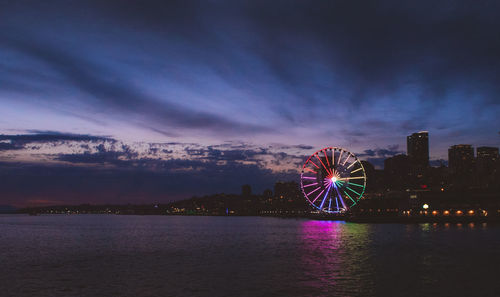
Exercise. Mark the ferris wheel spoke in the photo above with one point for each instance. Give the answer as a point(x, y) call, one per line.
point(318, 195)
point(350, 197)
point(348, 178)
point(314, 191)
point(340, 157)
point(313, 163)
point(326, 195)
point(326, 158)
point(328, 171)
point(352, 165)
point(340, 197)
point(353, 191)
point(333, 158)
point(310, 170)
point(310, 185)
point(356, 169)
point(309, 177)
point(348, 156)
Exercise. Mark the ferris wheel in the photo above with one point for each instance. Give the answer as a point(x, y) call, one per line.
point(333, 180)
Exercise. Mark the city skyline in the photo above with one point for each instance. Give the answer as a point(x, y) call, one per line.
point(130, 165)
point(165, 100)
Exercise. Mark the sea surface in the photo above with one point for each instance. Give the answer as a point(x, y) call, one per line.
point(113, 255)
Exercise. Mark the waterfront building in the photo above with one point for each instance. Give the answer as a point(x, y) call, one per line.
point(461, 164)
point(418, 156)
point(397, 171)
point(487, 162)
point(417, 146)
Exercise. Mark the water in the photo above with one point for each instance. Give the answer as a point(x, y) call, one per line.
point(107, 255)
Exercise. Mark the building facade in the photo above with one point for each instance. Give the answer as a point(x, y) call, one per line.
point(461, 164)
point(418, 150)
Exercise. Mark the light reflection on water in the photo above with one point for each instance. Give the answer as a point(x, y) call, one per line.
point(88, 255)
point(335, 257)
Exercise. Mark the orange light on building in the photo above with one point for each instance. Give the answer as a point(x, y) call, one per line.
point(434, 212)
point(471, 212)
point(446, 212)
point(459, 213)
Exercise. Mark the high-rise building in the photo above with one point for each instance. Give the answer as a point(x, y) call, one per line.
point(461, 163)
point(417, 146)
point(397, 171)
point(487, 162)
point(488, 154)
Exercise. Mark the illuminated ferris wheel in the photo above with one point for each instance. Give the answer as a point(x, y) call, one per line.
point(333, 180)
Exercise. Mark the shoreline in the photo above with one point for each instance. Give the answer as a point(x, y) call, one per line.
point(347, 219)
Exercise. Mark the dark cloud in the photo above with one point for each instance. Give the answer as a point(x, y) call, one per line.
point(391, 150)
point(17, 142)
point(51, 136)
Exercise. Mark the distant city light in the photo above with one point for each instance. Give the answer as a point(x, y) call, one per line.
point(425, 206)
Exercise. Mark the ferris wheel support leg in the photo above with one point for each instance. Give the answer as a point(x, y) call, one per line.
point(340, 196)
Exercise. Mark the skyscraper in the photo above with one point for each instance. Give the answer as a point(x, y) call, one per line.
point(397, 171)
point(417, 146)
point(487, 162)
point(461, 162)
point(488, 154)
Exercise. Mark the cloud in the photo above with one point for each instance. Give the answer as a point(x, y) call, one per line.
point(377, 156)
point(390, 151)
point(51, 136)
point(118, 95)
point(20, 141)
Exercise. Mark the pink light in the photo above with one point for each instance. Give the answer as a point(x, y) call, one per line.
point(309, 185)
point(319, 194)
point(314, 191)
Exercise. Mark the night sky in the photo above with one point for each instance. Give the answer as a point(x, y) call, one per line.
point(153, 101)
